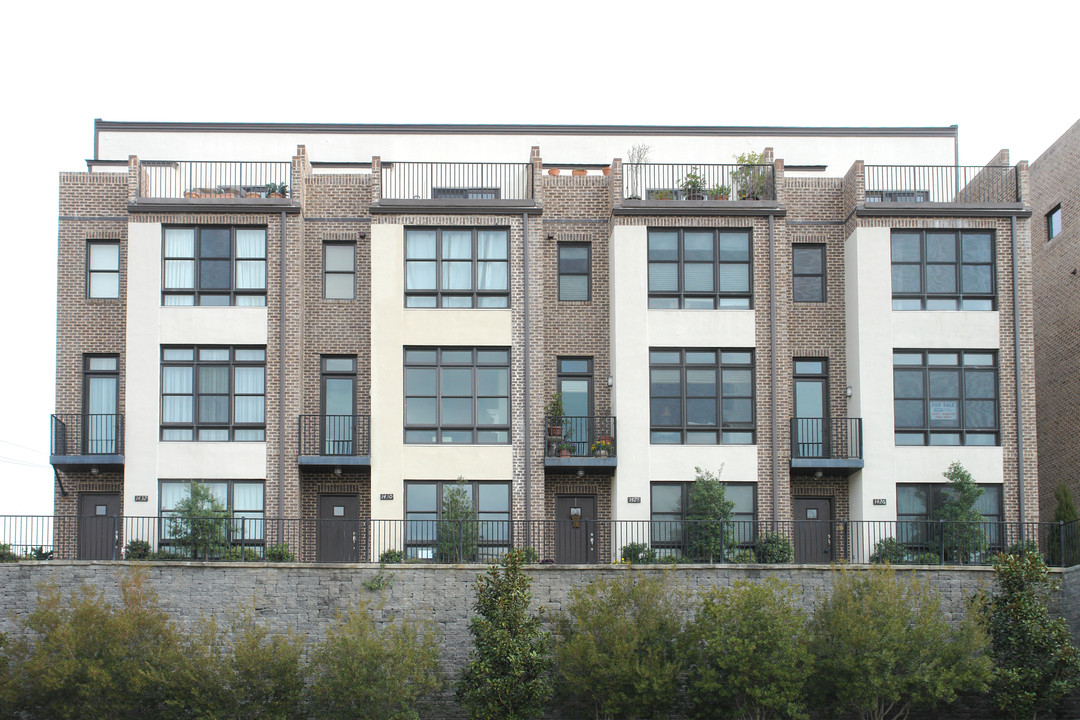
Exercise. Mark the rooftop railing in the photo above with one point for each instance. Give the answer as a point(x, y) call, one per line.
point(941, 183)
point(209, 180)
point(677, 182)
point(456, 181)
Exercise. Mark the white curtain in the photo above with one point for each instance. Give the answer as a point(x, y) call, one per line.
point(491, 276)
point(250, 403)
point(179, 275)
point(176, 387)
point(251, 262)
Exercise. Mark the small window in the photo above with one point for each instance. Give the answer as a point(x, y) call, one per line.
point(808, 273)
point(339, 271)
point(103, 269)
point(574, 265)
point(1053, 223)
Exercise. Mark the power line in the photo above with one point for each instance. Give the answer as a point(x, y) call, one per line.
point(22, 447)
point(24, 463)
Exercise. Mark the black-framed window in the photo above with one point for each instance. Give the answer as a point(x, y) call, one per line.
point(424, 514)
point(1053, 223)
point(457, 395)
point(575, 262)
point(808, 272)
point(471, 193)
point(214, 265)
point(213, 393)
point(943, 270)
point(945, 397)
point(457, 267)
point(670, 504)
point(103, 269)
point(245, 499)
point(339, 270)
point(700, 268)
point(701, 396)
point(918, 503)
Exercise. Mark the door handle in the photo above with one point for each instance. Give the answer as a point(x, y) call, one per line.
point(828, 544)
point(592, 540)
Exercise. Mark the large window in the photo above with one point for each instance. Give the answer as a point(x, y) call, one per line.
point(670, 505)
point(699, 268)
point(574, 271)
point(943, 270)
point(808, 273)
point(701, 396)
point(244, 499)
point(917, 505)
point(457, 395)
point(103, 269)
point(457, 267)
point(213, 393)
point(339, 271)
point(428, 530)
point(214, 266)
point(945, 397)
point(1053, 223)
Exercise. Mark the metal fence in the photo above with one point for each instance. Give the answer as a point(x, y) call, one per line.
point(832, 438)
point(212, 179)
point(666, 181)
point(456, 181)
point(940, 183)
point(86, 434)
point(335, 435)
point(580, 436)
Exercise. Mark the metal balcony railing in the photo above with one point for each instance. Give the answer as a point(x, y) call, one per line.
point(592, 436)
point(456, 181)
point(826, 438)
point(86, 434)
point(941, 183)
point(335, 435)
point(676, 182)
point(214, 179)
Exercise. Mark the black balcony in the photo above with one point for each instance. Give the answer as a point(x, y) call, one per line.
point(665, 184)
point(335, 442)
point(899, 185)
point(831, 446)
point(455, 186)
point(217, 181)
point(79, 441)
point(580, 443)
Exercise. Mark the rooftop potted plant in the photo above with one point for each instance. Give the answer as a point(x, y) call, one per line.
point(554, 412)
point(693, 185)
point(566, 448)
point(277, 190)
point(719, 192)
point(749, 177)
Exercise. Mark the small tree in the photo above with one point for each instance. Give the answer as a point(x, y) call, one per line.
point(264, 674)
point(1063, 546)
point(364, 672)
point(509, 672)
point(962, 534)
point(882, 646)
point(457, 532)
point(709, 530)
point(749, 655)
point(749, 179)
point(616, 649)
point(199, 524)
point(1036, 664)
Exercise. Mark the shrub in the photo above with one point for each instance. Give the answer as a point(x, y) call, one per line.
point(199, 523)
point(926, 558)
point(457, 532)
point(742, 556)
point(39, 553)
point(392, 556)
point(1062, 541)
point(637, 553)
point(279, 553)
point(137, 550)
point(234, 553)
point(1023, 547)
point(265, 673)
point(889, 550)
point(529, 555)
point(509, 670)
point(616, 651)
point(773, 548)
point(749, 655)
point(963, 535)
point(7, 555)
point(709, 530)
point(378, 673)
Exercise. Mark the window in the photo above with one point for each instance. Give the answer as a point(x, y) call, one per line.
point(215, 266)
point(339, 271)
point(699, 269)
point(917, 504)
point(103, 269)
point(244, 498)
point(457, 268)
point(1053, 223)
point(213, 393)
point(424, 521)
point(574, 265)
point(945, 397)
point(338, 402)
point(457, 395)
point(701, 397)
point(465, 193)
point(670, 502)
point(808, 273)
point(943, 270)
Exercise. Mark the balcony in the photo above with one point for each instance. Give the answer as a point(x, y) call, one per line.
point(701, 187)
point(582, 443)
point(924, 187)
point(335, 443)
point(460, 187)
point(829, 446)
point(216, 185)
point(87, 442)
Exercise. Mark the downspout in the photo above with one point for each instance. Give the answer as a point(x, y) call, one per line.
point(772, 393)
point(281, 384)
point(528, 405)
point(1019, 384)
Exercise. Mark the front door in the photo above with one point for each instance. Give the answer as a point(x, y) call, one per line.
point(100, 383)
point(575, 529)
point(811, 396)
point(100, 526)
point(813, 530)
point(575, 384)
point(339, 529)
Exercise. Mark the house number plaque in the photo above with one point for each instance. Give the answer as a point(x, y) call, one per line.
point(142, 498)
point(386, 496)
point(633, 499)
point(879, 501)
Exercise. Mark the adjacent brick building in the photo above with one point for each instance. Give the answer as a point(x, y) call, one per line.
point(330, 324)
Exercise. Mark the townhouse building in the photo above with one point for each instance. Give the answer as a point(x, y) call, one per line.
point(331, 324)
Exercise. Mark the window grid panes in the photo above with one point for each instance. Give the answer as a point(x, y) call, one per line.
point(699, 268)
point(944, 397)
point(701, 396)
point(1053, 223)
point(574, 267)
point(917, 505)
point(213, 394)
point(339, 271)
point(244, 499)
point(211, 265)
point(943, 270)
point(457, 267)
point(103, 269)
point(808, 273)
point(670, 504)
point(457, 395)
point(425, 521)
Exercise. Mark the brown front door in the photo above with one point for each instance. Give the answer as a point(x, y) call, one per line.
point(100, 526)
point(575, 529)
point(813, 530)
point(339, 529)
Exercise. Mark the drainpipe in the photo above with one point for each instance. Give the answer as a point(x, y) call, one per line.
point(1019, 384)
point(528, 405)
point(281, 385)
point(772, 393)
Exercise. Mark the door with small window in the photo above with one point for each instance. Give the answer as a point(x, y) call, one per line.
point(575, 529)
point(339, 529)
point(100, 526)
point(813, 530)
point(101, 380)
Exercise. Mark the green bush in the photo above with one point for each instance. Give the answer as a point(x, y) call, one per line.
point(264, 675)
point(889, 550)
point(637, 553)
point(529, 556)
point(279, 553)
point(234, 553)
point(773, 548)
point(616, 651)
point(198, 524)
point(710, 533)
point(748, 652)
point(963, 537)
point(1023, 547)
point(926, 558)
point(742, 556)
point(392, 556)
point(457, 532)
point(7, 555)
point(39, 553)
point(1063, 541)
point(137, 550)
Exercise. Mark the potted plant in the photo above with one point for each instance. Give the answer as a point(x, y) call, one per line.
point(693, 184)
point(276, 190)
point(749, 177)
point(566, 449)
point(661, 195)
point(719, 192)
point(601, 449)
point(554, 412)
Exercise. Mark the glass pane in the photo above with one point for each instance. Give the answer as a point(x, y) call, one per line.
point(104, 285)
point(663, 277)
point(737, 411)
point(940, 278)
point(249, 409)
point(569, 365)
point(214, 379)
point(807, 260)
point(457, 357)
point(339, 258)
point(176, 380)
point(807, 289)
point(179, 274)
point(912, 500)
point(667, 357)
point(944, 439)
point(573, 259)
point(944, 413)
point(985, 359)
point(665, 382)
point(809, 367)
point(970, 304)
point(905, 248)
point(975, 247)
point(214, 274)
point(250, 243)
point(457, 244)
point(697, 246)
point(214, 243)
point(700, 383)
point(419, 275)
point(247, 354)
point(976, 279)
point(420, 411)
point(940, 303)
point(936, 358)
point(457, 411)
point(666, 498)
point(944, 383)
point(906, 304)
point(575, 397)
point(491, 244)
point(907, 359)
point(492, 411)
point(574, 288)
point(734, 247)
point(420, 244)
point(696, 357)
point(221, 300)
point(180, 242)
point(665, 412)
point(734, 358)
point(457, 381)
point(338, 395)
point(421, 301)
point(667, 303)
point(909, 413)
point(101, 363)
point(737, 382)
point(906, 279)
point(251, 274)
point(665, 438)
point(214, 409)
point(492, 357)
point(420, 497)
point(979, 414)
point(177, 354)
point(698, 277)
point(456, 436)
point(457, 275)
point(494, 301)
point(699, 303)
point(700, 411)
point(493, 497)
point(910, 439)
point(742, 496)
point(809, 399)
point(491, 276)
point(698, 437)
point(908, 383)
point(340, 286)
point(940, 247)
point(980, 384)
point(663, 246)
point(734, 278)
point(104, 256)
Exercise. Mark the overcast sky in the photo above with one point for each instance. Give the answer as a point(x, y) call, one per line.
point(1005, 73)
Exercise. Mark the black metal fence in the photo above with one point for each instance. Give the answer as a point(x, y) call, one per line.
point(580, 436)
point(666, 181)
point(335, 435)
point(86, 434)
point(212, 179)
point(456, 181)
point(832, 438)
point(940, 183)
